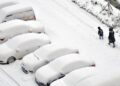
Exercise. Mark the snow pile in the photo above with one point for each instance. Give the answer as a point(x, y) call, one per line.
point(99, 8)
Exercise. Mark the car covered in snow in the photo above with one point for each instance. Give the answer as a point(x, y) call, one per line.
point(90, 77)
point(17, 11)
point(43, 55)
point(21, 45)
point(7, 3)
point(75, 77)
point(15, 27)
point(59, 67)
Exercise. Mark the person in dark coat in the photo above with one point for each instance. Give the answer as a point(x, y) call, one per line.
point(111, 37)
point(100, 33)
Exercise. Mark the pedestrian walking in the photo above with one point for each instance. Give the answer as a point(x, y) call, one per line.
point(100, 33)
point(111, 37)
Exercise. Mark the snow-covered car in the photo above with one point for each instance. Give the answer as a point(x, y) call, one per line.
point(74, 77)
point(45, 54)
point(17, 11)
point(90, 77)
point(15, 27)
point(7, 3)
point(59, 67)
point(21, 45)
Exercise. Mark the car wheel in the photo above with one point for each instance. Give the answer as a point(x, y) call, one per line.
point(11, 59)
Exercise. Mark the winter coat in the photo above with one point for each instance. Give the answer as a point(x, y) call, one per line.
point(100, 32)
point(111, 37)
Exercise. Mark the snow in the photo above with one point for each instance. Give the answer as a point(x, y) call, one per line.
point(95, 7)
point(25, 38)
point(66, 23)
point(46, 74)
point(6, 12)
point(52, 51)
point(74, 77)
point(7, 3)
point(36, 26)
point(12, 23)
point(89, 77)
point(70, 62)
point(19, 8)
point(45, 54)
point(61, 65)
point(6, 80)
point(17, 27)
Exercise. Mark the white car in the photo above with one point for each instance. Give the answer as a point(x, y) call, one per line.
point(21, 45)
point(7, 3)
point(15, 27)
point(75, 77)
point(90, 77)
point(17, 11)
point(42, 56)
point(59, 67)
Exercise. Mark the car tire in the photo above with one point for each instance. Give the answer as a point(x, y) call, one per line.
point(11, 59)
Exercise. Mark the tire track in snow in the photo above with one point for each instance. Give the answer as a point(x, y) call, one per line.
point(77, 17)
point(9, 78)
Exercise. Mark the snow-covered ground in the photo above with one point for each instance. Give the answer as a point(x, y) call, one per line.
point(99, 8)
point(67, 24)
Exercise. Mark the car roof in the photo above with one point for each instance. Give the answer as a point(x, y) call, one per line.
point(62, 64)
point(12, 24)
point(104, 78)
point(49, 51)
point(77, 75)
point(15, 8)
point(74, 77)
point(17, 40)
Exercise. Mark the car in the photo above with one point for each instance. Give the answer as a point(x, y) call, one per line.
point(75, 77)
point(59, 67)
point(15, 27)
point(17, 11)
point(21, 45)
point(90, 77)
point(44, 55)
point(7, 3)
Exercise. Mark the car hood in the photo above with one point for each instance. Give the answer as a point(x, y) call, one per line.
point(30, 61)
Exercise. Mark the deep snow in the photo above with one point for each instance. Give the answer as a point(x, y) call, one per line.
point(67, 24)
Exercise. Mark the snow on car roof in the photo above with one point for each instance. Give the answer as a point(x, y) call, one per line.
point(24, 38)
point(77, 75)
point(11, 24)
point(106, 78)
point(49, 51)
point(15, 8)
point(7, 3)
point(74, 77)
point(73, 60)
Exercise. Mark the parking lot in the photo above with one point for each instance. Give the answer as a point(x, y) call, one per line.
point(67, 29)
